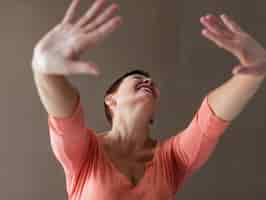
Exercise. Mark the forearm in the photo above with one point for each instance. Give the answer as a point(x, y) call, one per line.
point(57, 94)
point(230, 98)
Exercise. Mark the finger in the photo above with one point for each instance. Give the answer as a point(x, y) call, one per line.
point(80, 67)
point(220, 42)
point(214, 25)
point(104, 30)
point(70, 13)
point(97, 5)
point(230, 23)
point(102, 18)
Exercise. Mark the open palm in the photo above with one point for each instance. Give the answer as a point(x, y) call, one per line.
point(227, 34)
point(59, 50)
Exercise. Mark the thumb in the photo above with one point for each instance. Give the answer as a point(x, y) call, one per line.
point(81, 67)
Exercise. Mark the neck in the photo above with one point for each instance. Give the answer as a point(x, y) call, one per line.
point(130, 135)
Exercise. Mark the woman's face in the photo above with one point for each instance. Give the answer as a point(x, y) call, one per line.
point(138, 89)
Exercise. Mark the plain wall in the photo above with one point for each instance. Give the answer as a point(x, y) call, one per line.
point(162, 37)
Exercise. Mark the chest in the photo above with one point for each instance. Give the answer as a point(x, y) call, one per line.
point(127, 181)
point(124, 177)
point(132, 167)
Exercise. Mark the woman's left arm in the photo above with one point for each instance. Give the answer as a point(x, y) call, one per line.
point(229, 99)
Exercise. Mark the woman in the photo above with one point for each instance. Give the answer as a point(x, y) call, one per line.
point(124, 162)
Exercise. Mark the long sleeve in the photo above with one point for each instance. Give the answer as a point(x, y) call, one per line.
point(71, 142)
point(187, 150)
point(196, 143)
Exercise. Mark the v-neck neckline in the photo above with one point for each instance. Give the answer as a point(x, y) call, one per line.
point(123, 176)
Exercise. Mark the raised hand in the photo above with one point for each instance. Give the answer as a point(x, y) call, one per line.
point(59, 50)
point(227, 34)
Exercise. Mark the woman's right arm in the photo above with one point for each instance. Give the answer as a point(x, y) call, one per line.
point(56, 56)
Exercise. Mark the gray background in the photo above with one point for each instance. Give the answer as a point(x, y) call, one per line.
point(162, 37)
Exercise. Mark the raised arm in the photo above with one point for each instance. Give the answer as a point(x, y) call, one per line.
point(223, 104)
point(55, 56)
point(229, 99)
point(196, 143)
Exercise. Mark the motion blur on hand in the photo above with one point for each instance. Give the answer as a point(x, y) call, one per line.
point(227, 34)
point(58, 52)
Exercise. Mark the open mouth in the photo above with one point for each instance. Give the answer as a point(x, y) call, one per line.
point(147, 89)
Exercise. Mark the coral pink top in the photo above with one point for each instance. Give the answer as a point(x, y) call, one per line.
point(90, 175)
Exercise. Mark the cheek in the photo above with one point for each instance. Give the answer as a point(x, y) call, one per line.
point(128, 89)
point(126, 95)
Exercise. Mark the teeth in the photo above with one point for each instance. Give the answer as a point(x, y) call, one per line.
point(148, 89)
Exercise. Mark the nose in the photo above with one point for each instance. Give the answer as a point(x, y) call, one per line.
point(149, 81)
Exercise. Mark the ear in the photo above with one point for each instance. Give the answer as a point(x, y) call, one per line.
point(110, 100)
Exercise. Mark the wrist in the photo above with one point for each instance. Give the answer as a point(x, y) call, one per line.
point(251, 76)
point(246, 58)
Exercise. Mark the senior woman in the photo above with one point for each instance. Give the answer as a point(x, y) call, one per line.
point(125, 162)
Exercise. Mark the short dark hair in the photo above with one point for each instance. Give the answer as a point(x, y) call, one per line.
point(114, 87)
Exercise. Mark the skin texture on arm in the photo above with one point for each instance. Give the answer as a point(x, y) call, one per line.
point(57, 95)
point(229, 99)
